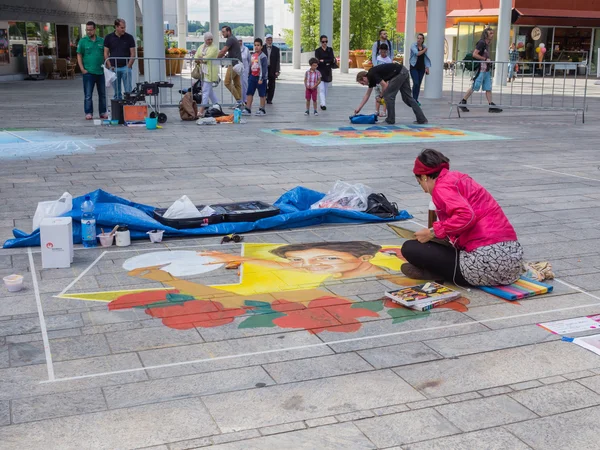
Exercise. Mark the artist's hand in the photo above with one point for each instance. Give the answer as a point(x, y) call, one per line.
point(356, 111)
point(424, 235)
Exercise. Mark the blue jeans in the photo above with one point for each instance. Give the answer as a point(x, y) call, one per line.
point(89, 80)
point(511, 70)
point(417, 77)
point(123, 74)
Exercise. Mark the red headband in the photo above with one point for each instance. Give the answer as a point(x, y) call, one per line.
point(422, 169)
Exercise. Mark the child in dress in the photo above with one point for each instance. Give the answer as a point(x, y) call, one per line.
point(382, 58)
point(312, 79)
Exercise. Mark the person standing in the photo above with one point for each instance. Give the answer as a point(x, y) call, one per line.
point(312, 79)
point(232, 50)
point(383, 39)
point(90, 56)
point(210, 71)
point(483, 77)
point(121, 46)
point(246, 62)
point(274, 62)
point(392, 78)
point(513, 56)
point(419, 64)
point(382, 58)
point(257, 79)
point(326, 63)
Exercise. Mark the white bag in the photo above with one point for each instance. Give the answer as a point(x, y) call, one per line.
point(182, 209)
point(238, 68)
point(53, 208)
point(345, 196)
point(109, 76)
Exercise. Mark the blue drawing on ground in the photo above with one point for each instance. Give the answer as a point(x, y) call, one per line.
point(20, 144)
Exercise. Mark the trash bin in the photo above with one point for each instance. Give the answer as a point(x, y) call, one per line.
point(116, 110)
point(581, 69)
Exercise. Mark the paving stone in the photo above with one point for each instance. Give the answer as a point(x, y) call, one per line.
point(283, 428)
point(57, 405)
point(320, 421)
point(123, 428)
point(552, 380)
point(323, 366)
point(390, 410)
point(155, 391)
point(108, 317)
point(577, 375)
point(308, 400)
point(495, 391)
point(499, 368)
point(233, 437)
point(399, 355)
point(406, 427)
point(485, 413)
point(4, 357)
point(592, 383)
point(341, 436)
point(356, 415)
point(26, 353)
point(494, 439)
point(427, 403)
point(572, 430)
point(150, 338)
point(78, 347)
point(557, 398)
point(4, 413)
point(463, 397)
point(525, 385)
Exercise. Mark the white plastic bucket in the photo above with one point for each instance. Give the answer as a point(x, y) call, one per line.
point(106, 240)
point(156, 235)
point(13, 283)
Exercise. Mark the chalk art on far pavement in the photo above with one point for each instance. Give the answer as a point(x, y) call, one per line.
point(30, 143)
point(378, 134)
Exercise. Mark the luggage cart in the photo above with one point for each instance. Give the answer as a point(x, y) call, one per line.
point(143, 90)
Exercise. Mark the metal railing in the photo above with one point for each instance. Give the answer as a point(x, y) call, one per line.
point(543, 86)
point(178, 72)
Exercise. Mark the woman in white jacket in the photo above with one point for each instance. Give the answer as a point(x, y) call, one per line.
point(246, 62)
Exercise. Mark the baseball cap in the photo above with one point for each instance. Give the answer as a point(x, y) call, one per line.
point(268, 36)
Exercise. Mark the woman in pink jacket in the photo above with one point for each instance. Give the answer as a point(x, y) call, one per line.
point(482, 245)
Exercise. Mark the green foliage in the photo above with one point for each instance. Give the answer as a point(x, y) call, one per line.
point(288, 37)
point(238, 29)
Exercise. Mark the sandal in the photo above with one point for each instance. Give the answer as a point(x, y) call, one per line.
point(88, 117)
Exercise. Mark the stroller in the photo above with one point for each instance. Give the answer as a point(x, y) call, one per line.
point(196, 91)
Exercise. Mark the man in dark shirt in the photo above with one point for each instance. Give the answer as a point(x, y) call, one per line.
point(232, 49)
point(483, 77)
point(120, 45)
point(274, 66)
point(392, 78)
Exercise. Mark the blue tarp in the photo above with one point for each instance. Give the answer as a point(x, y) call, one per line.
point(111, 210)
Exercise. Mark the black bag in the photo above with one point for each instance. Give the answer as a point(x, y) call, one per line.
point(380, 206)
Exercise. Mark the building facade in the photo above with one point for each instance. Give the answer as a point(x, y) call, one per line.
point(570, 30)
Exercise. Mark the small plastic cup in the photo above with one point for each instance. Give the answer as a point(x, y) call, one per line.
point(151, 123)
point(97, 122)
point(14, 283)
point(156, 236)
point(106, 240)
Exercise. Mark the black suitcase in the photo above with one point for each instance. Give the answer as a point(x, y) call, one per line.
point(250, 211)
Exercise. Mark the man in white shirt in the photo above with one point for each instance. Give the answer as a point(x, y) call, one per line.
point(383, 39)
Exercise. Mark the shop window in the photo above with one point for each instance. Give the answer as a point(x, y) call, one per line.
point(4, 55)
point(16, 38)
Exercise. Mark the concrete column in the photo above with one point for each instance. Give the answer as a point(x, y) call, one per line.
point(502, 42)
point(182, 23)
point(296, 50)
point(345, 36)
point(259, 19)
point(410, 19)
point(214, 20)
point(154, 45)
point(436, 29)
point(326, 19)
point(126, 11)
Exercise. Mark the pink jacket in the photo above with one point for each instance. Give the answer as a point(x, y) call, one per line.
point(467, 213)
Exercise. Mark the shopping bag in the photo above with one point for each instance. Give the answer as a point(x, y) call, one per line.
point(53, 208)
point(109, 76)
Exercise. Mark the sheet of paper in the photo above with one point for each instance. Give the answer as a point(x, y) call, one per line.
point(576, 325)
point(591, 343)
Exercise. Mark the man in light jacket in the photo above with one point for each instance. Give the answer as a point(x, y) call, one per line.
point(246, 62)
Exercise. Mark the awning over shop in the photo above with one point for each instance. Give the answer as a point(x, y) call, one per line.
point(486, 15)
point(556, 17)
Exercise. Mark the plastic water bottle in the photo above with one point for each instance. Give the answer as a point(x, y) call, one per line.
point(88, 223)
point(237, 115)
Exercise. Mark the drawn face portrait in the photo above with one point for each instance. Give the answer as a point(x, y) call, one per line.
point(324, 261)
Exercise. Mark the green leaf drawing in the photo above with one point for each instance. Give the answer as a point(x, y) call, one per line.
point(375, 305)
point(261, 320)
point(403, 314)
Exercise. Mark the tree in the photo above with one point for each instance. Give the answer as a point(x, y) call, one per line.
point(309, 23)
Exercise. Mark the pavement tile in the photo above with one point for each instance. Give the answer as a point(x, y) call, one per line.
point(592, 382)
point(494, 439)
point(495, 391)
point(499, 368)
point(122, 428)
point(552, 380)
point(390, 410)
point(525, 385)
point(319, 367)
point(308, 400)
point(150, 338)
point(570, 430)
point(577, 375)
point(56, 405)
point(406, 427)
point(427, 403)
point(355, 415)
point(79, 347)
point(320, 421)
point(283, 428)
point(399, 355)
point(4, 413)
point(155, 391)
point(557, 398)
point(485, 413)
point(341, 436)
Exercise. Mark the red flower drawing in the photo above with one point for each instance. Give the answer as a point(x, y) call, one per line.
point(325, 313)
point(195, 313)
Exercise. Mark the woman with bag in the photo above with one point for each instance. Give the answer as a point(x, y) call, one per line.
point(209, 72)
point(326, 62)
point(419, 64)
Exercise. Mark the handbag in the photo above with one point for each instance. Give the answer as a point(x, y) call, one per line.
point(197, 71)
point(380, 206)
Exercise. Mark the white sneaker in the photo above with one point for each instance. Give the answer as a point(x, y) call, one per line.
point(246, 112)
point(307, 113)
point(260, 112)
point(316, 113)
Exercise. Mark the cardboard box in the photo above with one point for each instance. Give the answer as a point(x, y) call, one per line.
point(56, 239)
point(135, 113)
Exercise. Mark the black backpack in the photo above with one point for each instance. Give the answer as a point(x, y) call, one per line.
point(380, 206)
